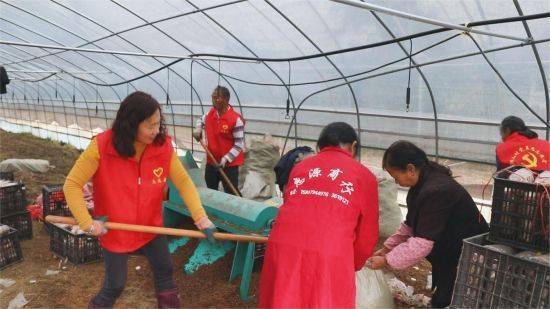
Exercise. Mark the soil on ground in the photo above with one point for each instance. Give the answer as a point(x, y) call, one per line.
point(26, 146)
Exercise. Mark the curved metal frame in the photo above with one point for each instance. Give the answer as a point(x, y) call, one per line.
point(296, 109)
point(62, 101)
point(48, 62)
point(424, 78)
point(255, 55)
point(53, 40)
point(140, 26)
point(183, 46)
point(84, 39)
point(113, 34)
point(331, 62)
point(118, 36)
point(541, 68)
point(142, 50)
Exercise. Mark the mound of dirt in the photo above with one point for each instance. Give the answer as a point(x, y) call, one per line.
point(27, 146)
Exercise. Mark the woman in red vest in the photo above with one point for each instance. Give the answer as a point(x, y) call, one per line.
point(521, 146)
point(325, 230)
point(129, 165)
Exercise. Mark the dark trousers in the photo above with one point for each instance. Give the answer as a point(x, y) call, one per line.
point(116, 270)
point(213, 177)
point(443, 277)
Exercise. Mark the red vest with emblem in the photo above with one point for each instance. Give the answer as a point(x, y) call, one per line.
point(128, 191)
point(519, 150)
point(219, 135)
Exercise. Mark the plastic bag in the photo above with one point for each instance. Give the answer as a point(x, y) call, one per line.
point(31, 165)
point(256, 176)
point(4, 229)
point(372, 290)
point(543, 178)
point(18, 302)
point(255, 187)
point(522, 175)
point(390, 213)
point(501, 248)
point(535, 257)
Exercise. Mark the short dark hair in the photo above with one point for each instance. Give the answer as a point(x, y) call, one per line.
point(223, 91)
point(402, 153)
point(134, 109)
point(516, 124)
point(336, 134)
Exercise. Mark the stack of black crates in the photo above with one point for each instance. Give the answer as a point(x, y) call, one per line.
point(489, 278)
point(76, 248)
point(13, 213)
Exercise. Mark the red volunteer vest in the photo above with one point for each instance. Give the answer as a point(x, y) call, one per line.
point(128, 191)
point(519, 150)
point(219, 135)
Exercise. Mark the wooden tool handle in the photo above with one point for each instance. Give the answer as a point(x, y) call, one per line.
point(163, 230)
point(224, 176)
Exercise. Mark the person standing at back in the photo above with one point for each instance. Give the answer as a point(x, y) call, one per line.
point(326, 228)
point(224, 129)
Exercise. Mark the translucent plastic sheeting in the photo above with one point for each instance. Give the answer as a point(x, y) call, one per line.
point(464, 90)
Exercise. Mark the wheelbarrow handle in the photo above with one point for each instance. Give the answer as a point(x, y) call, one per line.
point(163, 230)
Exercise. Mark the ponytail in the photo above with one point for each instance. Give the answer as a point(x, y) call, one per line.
point(530, 134)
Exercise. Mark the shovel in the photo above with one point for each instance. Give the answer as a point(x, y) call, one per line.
point(164, 230)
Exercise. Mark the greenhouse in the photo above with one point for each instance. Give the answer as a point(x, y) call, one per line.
point(250, 94)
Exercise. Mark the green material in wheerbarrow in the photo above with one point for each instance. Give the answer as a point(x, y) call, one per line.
point(230, 213)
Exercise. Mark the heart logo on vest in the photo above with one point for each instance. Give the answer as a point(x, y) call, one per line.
point(158, 171)
point(225, 128)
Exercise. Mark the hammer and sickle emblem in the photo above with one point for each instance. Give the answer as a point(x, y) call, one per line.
point(529, 160)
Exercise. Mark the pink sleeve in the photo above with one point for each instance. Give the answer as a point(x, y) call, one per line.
point(409, 253)
point(402, 234)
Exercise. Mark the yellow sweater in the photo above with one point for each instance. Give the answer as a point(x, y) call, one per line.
point(88, 163)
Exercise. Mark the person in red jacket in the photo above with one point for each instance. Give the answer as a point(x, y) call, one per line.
point(224, 129)
point(521, 146)
point(326, 228)
point(129, 165)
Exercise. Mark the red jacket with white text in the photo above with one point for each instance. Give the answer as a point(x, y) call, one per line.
point(326, 229)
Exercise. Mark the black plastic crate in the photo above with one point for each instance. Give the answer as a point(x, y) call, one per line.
point(10, 249)
point(13, 198)
point(7, 176)
point(490, 279)
point(519, 215)
point(53, 201)
point(78, 249)
point(22, 222)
